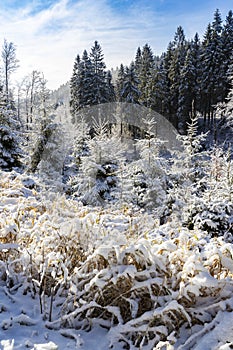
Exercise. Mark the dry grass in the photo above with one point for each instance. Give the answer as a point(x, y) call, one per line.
point(114, 268)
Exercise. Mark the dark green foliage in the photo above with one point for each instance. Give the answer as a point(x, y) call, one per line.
point(10, 152)
point(191, 76)
point(120, 83)
point(47, 128)
point(90, 83)
point(130, 92)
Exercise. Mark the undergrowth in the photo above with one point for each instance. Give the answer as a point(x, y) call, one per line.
point(119, 269)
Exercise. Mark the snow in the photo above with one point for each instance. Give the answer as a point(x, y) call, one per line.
point(79, 277)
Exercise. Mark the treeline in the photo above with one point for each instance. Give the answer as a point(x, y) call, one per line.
point(191, 77)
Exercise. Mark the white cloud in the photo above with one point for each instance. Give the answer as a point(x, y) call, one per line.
point(50, 39)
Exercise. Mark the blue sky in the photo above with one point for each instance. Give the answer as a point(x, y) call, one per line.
point(48, 34)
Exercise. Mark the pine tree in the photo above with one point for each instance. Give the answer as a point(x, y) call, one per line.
point(153, 92)
point(90, 84)
point(120, 83)
point(206, 71)
point(110, 90)
point(98, 83)
point(146, 181)
point(96, 181)
point(176, 64)
point(138, 60)
point(218, 59)
point(74, 87)
point(81, 85)
point(164, 83)
point(44, 126)
point(187, 90)
point(225, 110)
point(130, 92)
point(10, 152)
point(144, 71)
point(86, 74)
point(212, 63)
point(227, 46)
point(187, 175)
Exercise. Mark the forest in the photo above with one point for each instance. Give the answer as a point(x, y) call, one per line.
point(116, 200)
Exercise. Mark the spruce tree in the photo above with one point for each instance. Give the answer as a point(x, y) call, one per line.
point(176, 64)
point(74, 87)
point(227, 45)
point(212, 63)
point(144, 71)
point(187, 90)
point(164, 83)
point(10, 152)
point(138, 60)
point(110, 90)
point(85, 81)
point(98, 82)
point(218, 59)
point(130, 92)
point(96, 181)
point(205, 82)
point(120, 83)
point(90, 83)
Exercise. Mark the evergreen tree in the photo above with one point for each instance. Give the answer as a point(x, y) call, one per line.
point(86, 74)
point(187, 90)
point(218, 59)
point(164, 83)
point(212, 63)
point(227, 46)
point(74, 87)
point(96, 180)
point(43, 127)
point(144, 71)
point(154, 168)
point(176, 64)
point(138, 60)
point(146, 183)
point(120, 83)
point(90, 84)
point(98, 83)
point(10, 152)
point(153, 94)
point(196, 51)
point(81, 82)
point(206, 71)
point(130, 92)
point(225, 110)
point(110, 90)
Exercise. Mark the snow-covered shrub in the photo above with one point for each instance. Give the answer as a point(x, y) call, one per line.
point(10, 152)
point(148, 284)
point(145, 290)
point(207, 203)
point(96, 180)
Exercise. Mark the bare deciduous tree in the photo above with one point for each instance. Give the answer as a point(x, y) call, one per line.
point(10, 63)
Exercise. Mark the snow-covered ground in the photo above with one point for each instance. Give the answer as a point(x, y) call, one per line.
point(75, 277)
point(22, 327)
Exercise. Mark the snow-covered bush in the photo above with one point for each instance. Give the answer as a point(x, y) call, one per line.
point(144, 290)
point(10, 152)
point(96, 180)
point(149, 285)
